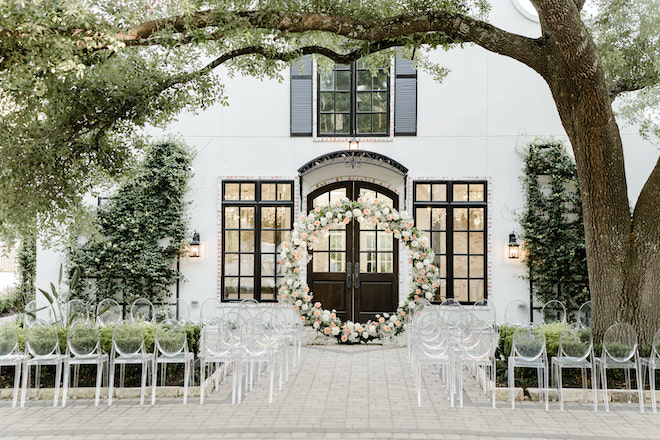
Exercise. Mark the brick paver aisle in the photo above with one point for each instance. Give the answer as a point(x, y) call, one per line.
point(337, 392)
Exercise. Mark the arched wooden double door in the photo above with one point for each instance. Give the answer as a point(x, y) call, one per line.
point(355, 269)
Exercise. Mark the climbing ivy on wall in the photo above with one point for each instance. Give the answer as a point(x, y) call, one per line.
point(552, 225)
point(27, 266)
point(139, 232)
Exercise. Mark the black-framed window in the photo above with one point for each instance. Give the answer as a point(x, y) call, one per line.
point(257, 216)
point(353, 102)
point(453, 215)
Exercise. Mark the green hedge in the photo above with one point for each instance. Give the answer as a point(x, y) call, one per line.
point(192, 332)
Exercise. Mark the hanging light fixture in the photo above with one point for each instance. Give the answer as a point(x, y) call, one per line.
point(514, 247)
point(194, 245)
point(353, 144)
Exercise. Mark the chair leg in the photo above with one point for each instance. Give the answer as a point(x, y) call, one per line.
point(511, 384)
point(154, 380)
point(111, 381)
point(559, 371)
point(186, 375)
point(99, 378)
point(65, 383)
point(594, 380)
point(201, 381)
point(17, 383)
point(26, 382)
point(603, 378)
point(143, 385)
point(58, 378)
point(652, 384)
point(640, 390)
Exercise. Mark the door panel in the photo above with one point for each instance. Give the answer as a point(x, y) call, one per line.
point(355, 269)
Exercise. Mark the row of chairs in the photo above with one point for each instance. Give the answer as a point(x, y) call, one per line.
point(128, 346)
point(576, 350)
point(108, 311)
point(452, 339)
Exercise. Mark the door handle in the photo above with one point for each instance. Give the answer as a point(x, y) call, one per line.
point(356, 271)
point(349, 275)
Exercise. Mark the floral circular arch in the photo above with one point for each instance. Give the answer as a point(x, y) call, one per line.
point(294, 256)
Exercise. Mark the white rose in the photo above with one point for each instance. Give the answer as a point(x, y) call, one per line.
point(427, 262)
point(414, 243)
point(335, 331)
point(360, 219)
point(386, 210)
point(316, 324)
point(304, 307)
point(405, 233)
point(324, 221)
point(395, 216)
point(419, 265)
point(365, 335)
point(429, 296)
point(348, 214)
point(404, 215)
point(329, 214)
point(357, 212)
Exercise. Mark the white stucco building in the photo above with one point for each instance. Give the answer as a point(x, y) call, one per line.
point(447, 153)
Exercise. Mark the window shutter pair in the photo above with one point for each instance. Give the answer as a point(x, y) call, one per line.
point(405, 98)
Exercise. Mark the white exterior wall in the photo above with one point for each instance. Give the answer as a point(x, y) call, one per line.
point(470, 126)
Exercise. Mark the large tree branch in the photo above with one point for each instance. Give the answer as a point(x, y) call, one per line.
point(633, 84)
point(456, 27)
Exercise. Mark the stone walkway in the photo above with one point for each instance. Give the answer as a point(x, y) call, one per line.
point(338, 392)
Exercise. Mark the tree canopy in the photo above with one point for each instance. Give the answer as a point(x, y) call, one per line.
point(79, 76)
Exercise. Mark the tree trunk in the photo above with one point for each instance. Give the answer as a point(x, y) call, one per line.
point(622, 251)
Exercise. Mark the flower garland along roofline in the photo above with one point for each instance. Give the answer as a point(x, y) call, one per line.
point(294, 256)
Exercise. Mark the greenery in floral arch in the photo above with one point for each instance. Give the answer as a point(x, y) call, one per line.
point(552, 223)
point(294, 256)
point(139, 232)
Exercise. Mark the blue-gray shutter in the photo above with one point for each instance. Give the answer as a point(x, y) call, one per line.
point(405, 98)
point(301, 97)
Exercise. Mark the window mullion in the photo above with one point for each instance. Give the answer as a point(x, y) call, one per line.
point(353, 105)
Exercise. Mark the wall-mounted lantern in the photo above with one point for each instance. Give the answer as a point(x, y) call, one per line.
point(353, 144)
point(514, 247)
point(194, 245)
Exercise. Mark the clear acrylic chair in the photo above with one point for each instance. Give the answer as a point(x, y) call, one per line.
point(75, 310)
point(486, 312)
point(516, 312)
point(620, 351)
point(584, 314)
point(576, 350)
point(209, 310)
point(128, 348)
point(108, 312)
point(260, 353)
point(177, 310)
point(213, 351)
point(42, 344)
point(652, 363)
point(30, 313)
point(553, 311)
point(528, 350)
point(83, 348)
point(10, 355)
point(476, 350)
point(142, 310)
point(432, 346)
point(171, 347)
